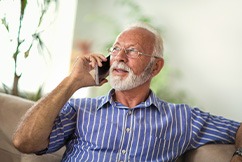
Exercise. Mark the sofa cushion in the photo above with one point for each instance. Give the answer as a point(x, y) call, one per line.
point(12, 109)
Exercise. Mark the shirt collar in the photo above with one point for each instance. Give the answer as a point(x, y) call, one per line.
point(106, 99)
point(151, 100)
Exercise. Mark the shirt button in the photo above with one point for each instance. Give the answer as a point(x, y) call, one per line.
point(127, 130)
point(123, 151)
point(130, 112)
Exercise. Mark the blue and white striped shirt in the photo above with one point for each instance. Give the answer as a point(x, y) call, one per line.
point(100, 129)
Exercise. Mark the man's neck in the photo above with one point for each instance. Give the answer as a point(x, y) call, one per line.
point(132, 97)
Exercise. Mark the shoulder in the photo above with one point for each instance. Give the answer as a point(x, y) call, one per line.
point(175, 107)
point(163, 105)
point(86, 103)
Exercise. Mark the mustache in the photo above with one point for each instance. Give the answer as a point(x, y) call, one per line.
point(120, 65)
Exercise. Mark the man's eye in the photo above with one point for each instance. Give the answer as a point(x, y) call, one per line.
point(131, 50)
point(116, 49)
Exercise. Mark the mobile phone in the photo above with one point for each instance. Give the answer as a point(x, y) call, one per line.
point(100, 73)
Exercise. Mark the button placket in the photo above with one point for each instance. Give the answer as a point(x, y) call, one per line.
point(128, 130)
point(124, 152)
point(126, 136)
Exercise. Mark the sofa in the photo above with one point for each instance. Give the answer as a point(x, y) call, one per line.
point(12, 108)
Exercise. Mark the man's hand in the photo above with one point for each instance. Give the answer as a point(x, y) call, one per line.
point(33, 132)
point(82, 67)
point(236, 158)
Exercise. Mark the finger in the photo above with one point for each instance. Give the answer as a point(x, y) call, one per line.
point(99, 62)
point(92, 61)
point(100, 59)
point(96, 59)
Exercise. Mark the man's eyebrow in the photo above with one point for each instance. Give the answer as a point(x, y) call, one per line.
point(116, 43)
point(128, 45)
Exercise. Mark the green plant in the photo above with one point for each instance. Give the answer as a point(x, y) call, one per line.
point(25, 31)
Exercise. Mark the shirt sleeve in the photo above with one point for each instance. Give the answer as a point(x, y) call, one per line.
point(207, 128)
point(63, 129)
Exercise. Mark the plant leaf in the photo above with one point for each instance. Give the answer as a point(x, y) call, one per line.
point(23, 6)
point(6, 89)
point(26, 53)
point(4, 22)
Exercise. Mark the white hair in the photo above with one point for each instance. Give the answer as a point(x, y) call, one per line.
point(158, 46)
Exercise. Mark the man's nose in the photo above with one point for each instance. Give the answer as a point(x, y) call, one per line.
point(121, 56)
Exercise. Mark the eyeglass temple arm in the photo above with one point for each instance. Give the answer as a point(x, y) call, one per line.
point(150, 55)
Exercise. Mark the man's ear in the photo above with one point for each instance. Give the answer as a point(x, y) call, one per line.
point(159, 63)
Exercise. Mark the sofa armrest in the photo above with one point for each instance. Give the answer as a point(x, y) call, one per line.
point(211, 153)
point(12, 109)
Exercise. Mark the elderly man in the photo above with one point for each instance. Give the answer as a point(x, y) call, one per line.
point(128, 124)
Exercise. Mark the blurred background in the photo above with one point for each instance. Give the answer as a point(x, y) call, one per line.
point(202, 41)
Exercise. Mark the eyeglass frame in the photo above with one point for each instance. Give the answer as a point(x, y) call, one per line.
point(126, 51)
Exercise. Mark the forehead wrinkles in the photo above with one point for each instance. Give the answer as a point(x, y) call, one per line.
point(140, 36)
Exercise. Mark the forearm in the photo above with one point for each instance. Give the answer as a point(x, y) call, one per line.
point(33, 132)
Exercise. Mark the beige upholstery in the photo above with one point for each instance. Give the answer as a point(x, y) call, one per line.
point(211, 153)
point(13, 108)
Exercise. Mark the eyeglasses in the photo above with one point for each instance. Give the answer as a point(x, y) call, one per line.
point(130, 52)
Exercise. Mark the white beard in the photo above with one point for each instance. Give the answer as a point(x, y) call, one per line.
point(132, 80)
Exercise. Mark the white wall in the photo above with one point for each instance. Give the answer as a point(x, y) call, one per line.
point(61, 43)
point(202, 39)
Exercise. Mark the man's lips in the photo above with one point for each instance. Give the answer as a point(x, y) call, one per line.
point(119, 71)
